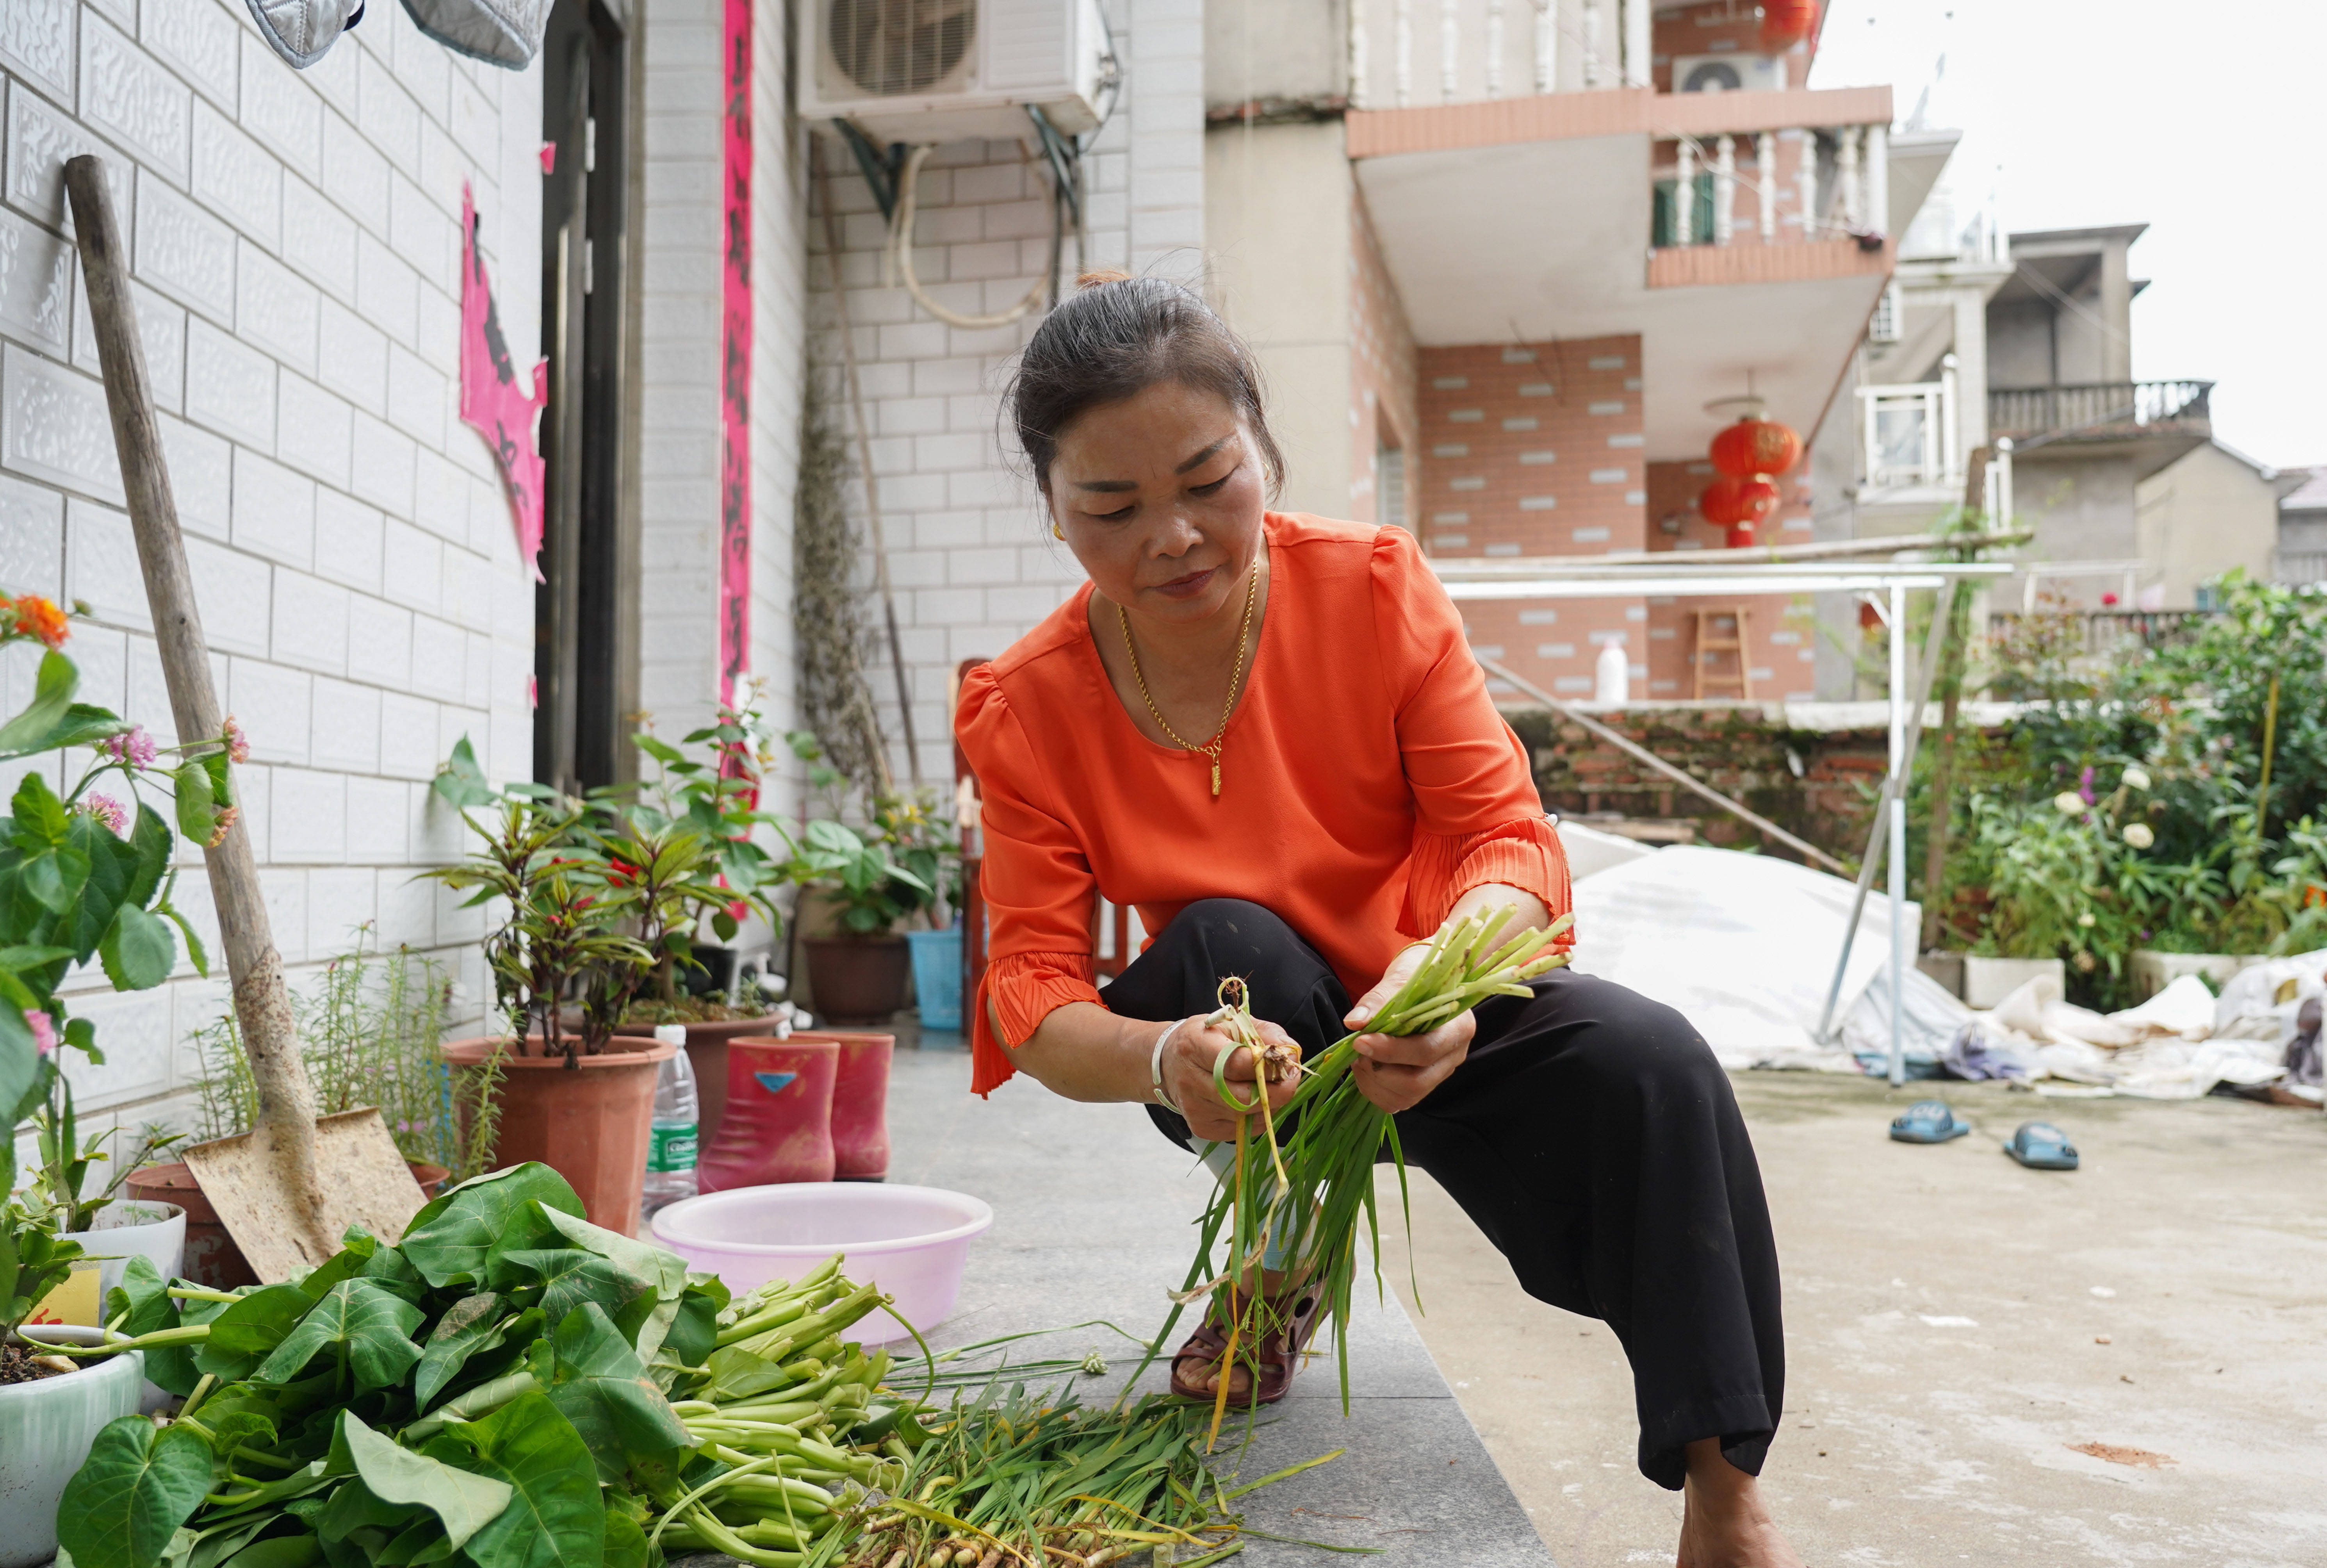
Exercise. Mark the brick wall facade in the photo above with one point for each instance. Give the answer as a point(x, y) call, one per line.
point(1781, 629)
point(295, 241)
point(1537, 450)
point(1748, 752)
point(1383, 413)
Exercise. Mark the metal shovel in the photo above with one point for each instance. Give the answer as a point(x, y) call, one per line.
point(288, 1188)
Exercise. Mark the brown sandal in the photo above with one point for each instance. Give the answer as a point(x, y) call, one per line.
point(1277, 1355)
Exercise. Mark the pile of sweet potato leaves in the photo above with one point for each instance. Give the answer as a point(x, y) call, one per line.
point(489, 1392)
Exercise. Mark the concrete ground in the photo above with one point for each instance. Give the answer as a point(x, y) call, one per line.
point(1092, 1211)
point(1989, 1365)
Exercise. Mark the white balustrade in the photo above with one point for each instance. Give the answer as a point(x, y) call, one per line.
point(1765, 178)
point(1637, 42)
point(1725, 189)
point(1847, 194)
point(1494, 49)
point(1450, 50)
point(1685, 194)
point(1592, 76)
point(1546, 45)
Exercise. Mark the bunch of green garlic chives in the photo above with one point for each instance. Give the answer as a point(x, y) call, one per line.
point(1317, 1181)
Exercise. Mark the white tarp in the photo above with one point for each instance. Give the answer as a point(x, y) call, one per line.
point(1743, 945)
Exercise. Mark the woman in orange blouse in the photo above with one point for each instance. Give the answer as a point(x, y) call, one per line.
point(1265, 733)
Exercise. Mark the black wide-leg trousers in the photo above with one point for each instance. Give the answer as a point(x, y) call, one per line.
point(1590, 1134)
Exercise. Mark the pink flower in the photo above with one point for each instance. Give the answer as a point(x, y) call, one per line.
point(237, 744)
point(44, 1030)
point(110, 812)
point(223, 826)
point(134, 747)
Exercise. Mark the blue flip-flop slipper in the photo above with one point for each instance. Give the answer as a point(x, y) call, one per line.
point(1929, 1122)
point(2041, 1146)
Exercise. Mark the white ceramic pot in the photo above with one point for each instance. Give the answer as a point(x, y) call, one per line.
point(2152, 971)
point(1988, 980)
point(125, 1229)
point(45, 1430)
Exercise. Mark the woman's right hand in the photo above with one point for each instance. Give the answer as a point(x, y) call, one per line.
point(1188, 1075)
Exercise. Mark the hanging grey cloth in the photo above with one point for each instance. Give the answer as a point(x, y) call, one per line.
point(304, 30)
point(505, 33)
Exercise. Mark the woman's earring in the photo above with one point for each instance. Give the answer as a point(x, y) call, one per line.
point(1057, 532)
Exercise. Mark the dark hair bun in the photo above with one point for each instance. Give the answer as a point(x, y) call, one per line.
point(1113, 339)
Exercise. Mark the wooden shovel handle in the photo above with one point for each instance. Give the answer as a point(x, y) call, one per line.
point(286, 1101)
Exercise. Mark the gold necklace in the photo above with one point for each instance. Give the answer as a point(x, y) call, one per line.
point(1211, 748)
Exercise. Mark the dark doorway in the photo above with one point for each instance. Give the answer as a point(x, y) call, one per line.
point(586, 658)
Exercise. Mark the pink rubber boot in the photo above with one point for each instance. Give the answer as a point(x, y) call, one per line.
point(860, 1105)
point(778, 1121)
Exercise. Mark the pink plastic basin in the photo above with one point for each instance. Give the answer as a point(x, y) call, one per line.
point(911, 1241)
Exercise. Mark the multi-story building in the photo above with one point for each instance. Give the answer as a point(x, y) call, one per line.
point(1496, 323)
point(2019, 347)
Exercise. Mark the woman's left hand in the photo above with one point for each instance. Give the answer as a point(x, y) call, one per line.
point(1395, 1072)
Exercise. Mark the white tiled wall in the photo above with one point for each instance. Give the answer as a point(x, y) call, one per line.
point(973, 565)
point(679, 360)
point(295, 239)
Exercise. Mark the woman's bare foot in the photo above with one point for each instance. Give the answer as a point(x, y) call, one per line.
point(1723, 1522)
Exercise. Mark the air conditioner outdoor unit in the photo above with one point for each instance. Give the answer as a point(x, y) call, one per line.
point(1728, 73)
point(947, 71)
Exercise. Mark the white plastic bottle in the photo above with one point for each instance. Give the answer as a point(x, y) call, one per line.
point(670, 1155)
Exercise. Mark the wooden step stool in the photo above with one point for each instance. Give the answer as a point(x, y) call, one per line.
point(1738, 682)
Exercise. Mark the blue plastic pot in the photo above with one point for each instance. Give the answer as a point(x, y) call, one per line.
point(936, 977)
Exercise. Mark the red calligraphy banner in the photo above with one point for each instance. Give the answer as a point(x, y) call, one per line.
point(735, 356)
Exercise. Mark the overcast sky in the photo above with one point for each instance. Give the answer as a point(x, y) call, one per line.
point(2201, 120)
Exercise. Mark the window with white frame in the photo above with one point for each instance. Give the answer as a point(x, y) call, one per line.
point(1883, 327)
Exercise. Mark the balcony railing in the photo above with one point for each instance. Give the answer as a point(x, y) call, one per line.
point(2107, 631)
point(2299, 567)
point(2103, 410)
point(1770, 187)
point(1409, 53)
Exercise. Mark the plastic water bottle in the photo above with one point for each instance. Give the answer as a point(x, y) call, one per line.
point(670, 1155)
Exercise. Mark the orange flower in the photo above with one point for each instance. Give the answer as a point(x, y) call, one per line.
point(41, 617)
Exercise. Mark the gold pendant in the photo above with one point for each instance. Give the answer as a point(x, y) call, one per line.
point(1216, 777)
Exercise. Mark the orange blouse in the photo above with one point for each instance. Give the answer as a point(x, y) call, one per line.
point(1367, 783)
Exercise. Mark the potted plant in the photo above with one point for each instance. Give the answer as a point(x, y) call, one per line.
point(871, 881)
point(85, 876)
point(715, 797)
point(132, 1227)
point(599, 897)
point(51, 1410)
point(369, 1036)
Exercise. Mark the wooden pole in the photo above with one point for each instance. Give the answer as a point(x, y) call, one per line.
point(285, 1126)
point(1678, 776)
point(1955, 652)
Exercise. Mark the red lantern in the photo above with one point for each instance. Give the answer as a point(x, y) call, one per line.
point(1733, 502)
point(1752, 446)
point(1786, 22)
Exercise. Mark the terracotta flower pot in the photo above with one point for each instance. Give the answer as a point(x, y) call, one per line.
point(590, 1122)
point(212, 1259)
point(858, 979)
point(706, 1054)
